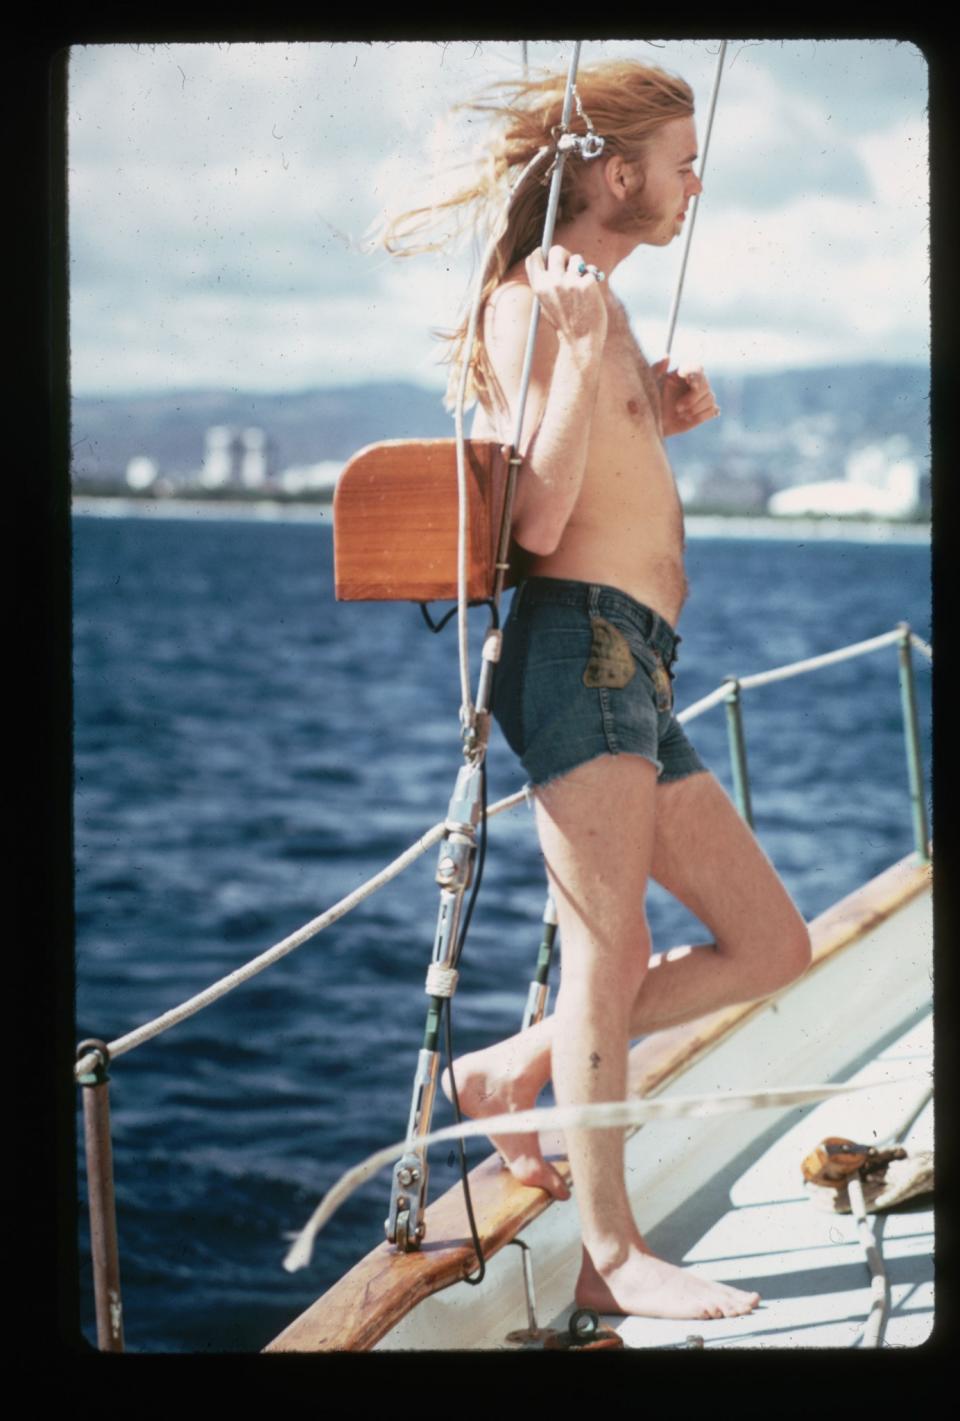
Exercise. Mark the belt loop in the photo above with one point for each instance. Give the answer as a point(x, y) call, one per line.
point(593, 600)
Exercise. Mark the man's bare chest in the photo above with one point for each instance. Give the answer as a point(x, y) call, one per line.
point(629, 389)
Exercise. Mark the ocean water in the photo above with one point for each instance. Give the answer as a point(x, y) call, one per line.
point(248, 751)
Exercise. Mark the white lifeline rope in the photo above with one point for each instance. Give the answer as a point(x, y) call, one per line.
point(706, 703)
point(606, 1115)
point(798, 668)
point(813, 663)
point(273, 954)
point(694, 206)
point(873, 1251)
point(879, 1286)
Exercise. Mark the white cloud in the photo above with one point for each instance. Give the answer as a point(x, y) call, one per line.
point(898, 160)
point(217, 193)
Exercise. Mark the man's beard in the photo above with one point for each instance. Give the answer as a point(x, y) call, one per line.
point(635, 215)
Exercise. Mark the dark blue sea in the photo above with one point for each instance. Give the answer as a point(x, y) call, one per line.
point(248, 751)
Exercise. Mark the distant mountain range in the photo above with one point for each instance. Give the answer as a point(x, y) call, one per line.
point(304, 428)
point(835, 407)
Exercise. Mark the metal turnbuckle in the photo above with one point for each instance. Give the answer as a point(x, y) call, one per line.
point(405, 1224)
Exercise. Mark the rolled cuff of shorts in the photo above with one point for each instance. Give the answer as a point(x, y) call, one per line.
point(683, 762)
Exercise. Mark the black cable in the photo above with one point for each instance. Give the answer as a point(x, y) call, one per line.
point(473, 1279)
point(464, 929)
point(439, 626)
point(448, 1030)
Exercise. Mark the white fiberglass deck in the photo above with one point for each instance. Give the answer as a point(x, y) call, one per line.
point(725, 1195)
point(808, 1265)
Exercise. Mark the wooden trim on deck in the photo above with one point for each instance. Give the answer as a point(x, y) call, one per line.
point(384, 1286)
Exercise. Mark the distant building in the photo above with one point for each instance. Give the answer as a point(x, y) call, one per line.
point(255, 467)
point(882, 481)
point(236, 458)
point(221, 459)
point(141, 472)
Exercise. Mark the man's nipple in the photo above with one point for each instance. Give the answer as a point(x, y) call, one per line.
point(633, 406)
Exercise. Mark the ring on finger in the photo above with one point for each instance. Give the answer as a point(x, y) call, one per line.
point(585, 267)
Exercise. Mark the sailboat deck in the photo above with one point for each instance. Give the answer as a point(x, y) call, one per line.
point(723, 1193)
point(807, 1264)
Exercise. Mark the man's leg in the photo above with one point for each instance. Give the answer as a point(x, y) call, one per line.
point(708, 858)
point(597, 831)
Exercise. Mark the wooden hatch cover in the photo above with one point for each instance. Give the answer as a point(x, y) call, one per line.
point(395, 521)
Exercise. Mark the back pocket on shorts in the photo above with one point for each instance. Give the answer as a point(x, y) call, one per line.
point(610, 662)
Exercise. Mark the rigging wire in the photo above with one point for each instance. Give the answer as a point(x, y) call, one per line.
point(468, 712)
point(467, 709)
point(694, 206)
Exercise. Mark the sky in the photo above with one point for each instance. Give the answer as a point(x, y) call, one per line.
point(220, 195)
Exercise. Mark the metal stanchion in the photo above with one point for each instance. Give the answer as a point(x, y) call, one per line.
point(911, 732)
point(738, 749)
point(103, 1215)
point(538, 994)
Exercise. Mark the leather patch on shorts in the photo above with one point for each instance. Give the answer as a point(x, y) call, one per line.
point(663, 686)
point(611, 661)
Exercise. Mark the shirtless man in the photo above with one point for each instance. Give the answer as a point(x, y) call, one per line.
point(584, 696)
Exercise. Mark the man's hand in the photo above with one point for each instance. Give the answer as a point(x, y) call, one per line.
point(686, 398)
point(572, 300)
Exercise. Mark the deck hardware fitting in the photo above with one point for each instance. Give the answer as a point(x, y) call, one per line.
point(585, 1334)
point(533, 1332)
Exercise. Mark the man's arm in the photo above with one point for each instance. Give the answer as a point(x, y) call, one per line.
point(563, 387)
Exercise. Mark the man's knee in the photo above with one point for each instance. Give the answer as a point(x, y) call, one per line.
point(789, 955)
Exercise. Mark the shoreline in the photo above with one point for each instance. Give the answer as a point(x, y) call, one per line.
point(698, 525)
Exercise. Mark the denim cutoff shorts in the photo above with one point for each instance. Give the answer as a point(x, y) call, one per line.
point(585, 671)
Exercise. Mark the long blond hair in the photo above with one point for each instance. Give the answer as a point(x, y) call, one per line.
point(626, 102)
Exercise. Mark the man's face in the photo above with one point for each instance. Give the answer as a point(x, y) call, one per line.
point(664, 193)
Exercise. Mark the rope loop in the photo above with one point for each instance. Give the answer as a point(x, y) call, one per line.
point(441, 980)
point(93, 1071)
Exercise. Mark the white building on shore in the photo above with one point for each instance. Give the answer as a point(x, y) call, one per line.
point(882, 481)
point(235, 458)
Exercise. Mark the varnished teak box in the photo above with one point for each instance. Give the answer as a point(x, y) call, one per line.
point(395, 520)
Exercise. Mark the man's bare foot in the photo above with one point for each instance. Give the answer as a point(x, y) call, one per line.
point(642, 1285)
point(483, 1090)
